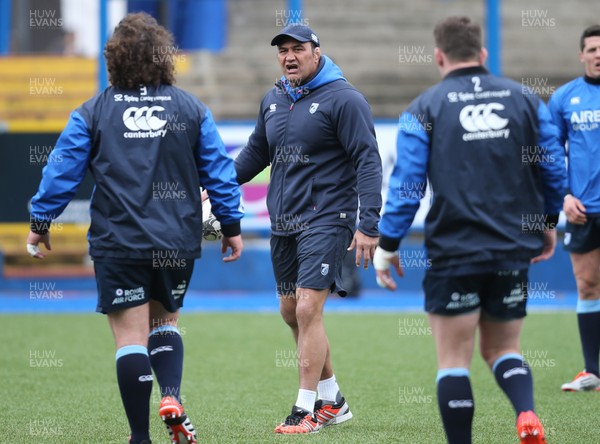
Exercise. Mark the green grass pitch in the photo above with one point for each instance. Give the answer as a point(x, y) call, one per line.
point(240, 380)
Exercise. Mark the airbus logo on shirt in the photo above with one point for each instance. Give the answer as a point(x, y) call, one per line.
point(586, 120)
point(143, 123)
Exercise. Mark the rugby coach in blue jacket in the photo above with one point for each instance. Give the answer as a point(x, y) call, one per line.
point(316, 132)
point(149, 147)
point(497, 171)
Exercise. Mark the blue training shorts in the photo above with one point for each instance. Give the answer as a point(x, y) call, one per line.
point(499, 295)
point(311, 259)
point(125, 285)
point(583, 238)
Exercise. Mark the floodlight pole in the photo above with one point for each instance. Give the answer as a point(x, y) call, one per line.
point(494, 36)
point(102, 74)
point(296, 5)
point(5, 26)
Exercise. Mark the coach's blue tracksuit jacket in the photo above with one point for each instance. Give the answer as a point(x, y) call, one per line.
point(320, 142)
point(148, 150)
point(496, 168)
point(575, 109)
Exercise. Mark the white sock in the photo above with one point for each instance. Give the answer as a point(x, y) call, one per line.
point(306, 400)
point(328, 389)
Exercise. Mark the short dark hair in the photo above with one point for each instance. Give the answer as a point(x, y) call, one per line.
point(590, 31)
point(131, 53)
point(459, 38)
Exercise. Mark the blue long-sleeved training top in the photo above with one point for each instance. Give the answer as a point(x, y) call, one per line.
point(320, 142)
point(575, 109)
point(497, 171)
point(149, 150)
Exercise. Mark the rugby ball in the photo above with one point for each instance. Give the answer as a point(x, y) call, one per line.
point(211, 227)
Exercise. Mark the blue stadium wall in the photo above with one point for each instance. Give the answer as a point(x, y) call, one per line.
point(253, 272)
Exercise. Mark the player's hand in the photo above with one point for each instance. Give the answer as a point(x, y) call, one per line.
point(33, 241)
point(236, 245)
point(365, 248)
point(574, 210)
point(382, 261)
point(204, 195)
point(549, 246)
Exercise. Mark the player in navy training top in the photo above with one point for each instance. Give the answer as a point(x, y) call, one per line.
point(149, 147)
point(316, 132)
point(575, 108)
point(497, 171)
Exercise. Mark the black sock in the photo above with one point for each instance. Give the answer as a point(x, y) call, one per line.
point(589, 332)
point(513, 375)
point(455, 401)
point(134, 376)
point(166, 357)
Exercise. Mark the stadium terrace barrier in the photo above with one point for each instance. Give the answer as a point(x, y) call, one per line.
point(253, 272)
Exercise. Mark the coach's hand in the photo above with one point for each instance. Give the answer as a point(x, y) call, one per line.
point(236, 245)
point(382, 261)
point(549, 246)
point(33, 241)
point(365, 248)
point(574, 210)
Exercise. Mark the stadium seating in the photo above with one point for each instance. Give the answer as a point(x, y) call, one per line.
point(38, 92)
point(69, 251)
point(365, 39)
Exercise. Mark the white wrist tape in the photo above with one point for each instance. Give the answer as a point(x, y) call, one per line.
point(382, 259)
point(32, 249)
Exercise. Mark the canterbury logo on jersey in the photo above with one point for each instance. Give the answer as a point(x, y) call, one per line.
point(143, 123)
point(482, 122)
point(145, 378)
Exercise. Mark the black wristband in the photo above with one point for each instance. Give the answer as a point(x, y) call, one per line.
point(388, 243)
point(231, 230)
point(552, 221)
point(40, 227)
